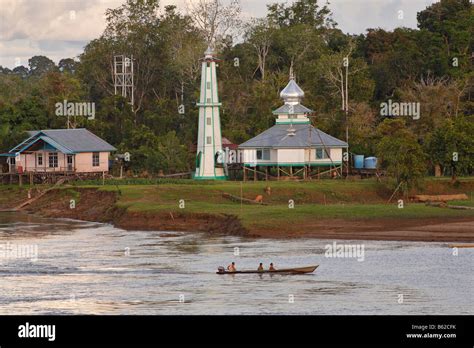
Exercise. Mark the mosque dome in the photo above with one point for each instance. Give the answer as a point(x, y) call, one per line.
point(292, 92)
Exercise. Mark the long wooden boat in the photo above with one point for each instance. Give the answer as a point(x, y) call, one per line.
point(297, 270)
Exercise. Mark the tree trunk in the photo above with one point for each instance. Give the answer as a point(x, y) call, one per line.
point(437, 169)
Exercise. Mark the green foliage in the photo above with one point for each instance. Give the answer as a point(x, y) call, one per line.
point(405, 65)
point(452, 146)
point(399, 152)
point(40, 65)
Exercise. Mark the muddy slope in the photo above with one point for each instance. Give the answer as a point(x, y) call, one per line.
point(100, 206)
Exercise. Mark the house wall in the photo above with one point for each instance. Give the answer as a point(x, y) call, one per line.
point(29, 162)
point(249, 156)
point(335, 154)
point(82, 162)
point(292, 156)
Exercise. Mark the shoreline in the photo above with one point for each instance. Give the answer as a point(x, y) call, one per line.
point(96, 205)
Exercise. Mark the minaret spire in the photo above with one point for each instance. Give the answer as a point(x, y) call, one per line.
point(210, 157)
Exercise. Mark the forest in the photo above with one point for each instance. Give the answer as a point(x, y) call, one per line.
point(430, 65)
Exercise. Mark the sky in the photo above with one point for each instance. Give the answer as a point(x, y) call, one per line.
point(61, 28)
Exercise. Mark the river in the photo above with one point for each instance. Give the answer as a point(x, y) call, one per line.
point(75, 267)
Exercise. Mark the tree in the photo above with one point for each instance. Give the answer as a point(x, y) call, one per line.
point(5, 70)
point(452, 146)
point(361, 128)
point(68, 65)
point(40, 65)
point(399, 152)
point(21, 71)
point(215, 19)
point(439, 98)
point(301, 12)
point(453, 20)
point(259, 34)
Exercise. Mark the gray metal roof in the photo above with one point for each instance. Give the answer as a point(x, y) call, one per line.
point(305, 135)
point(75, 140)
point(297, 109)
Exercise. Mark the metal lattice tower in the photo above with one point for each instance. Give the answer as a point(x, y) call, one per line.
point(123, 77)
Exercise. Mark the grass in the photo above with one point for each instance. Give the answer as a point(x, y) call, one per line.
point(324, 199)
point(466, 203)
point(208, 199)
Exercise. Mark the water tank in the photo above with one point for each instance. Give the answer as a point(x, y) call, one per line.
point(358, 161)
point(370, 163)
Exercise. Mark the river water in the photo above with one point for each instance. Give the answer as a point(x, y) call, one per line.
point(74, 267)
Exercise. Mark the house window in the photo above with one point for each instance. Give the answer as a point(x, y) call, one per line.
point(208, 121)
point(263, 154)
point(53, 159)
point(208, 140)
point(209, 100)
point(95, 159)
point(208, 85)
point(321, 153)
point(40, 159)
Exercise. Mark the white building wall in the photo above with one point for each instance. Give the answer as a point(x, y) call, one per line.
point(335, 154)
point(291, 156)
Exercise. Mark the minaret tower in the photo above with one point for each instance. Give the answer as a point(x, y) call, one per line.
point(210, 157)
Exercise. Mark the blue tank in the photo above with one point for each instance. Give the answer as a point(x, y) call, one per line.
point(358, 161)
point(370, 163)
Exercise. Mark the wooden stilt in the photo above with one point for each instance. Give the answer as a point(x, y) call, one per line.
point(20, 180)
point(266, 173)
point(245, 173)
point(255, 174)
point(278, 171)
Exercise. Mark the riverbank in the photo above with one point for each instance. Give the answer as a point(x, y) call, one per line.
point(323, 209)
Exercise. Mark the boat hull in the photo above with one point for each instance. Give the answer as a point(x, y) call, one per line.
point(297, 270)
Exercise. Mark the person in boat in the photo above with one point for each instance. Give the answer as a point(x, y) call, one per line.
point(231, 267)
point(271, 267)
point(260, 267)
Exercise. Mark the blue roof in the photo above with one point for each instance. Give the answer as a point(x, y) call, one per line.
point(68, 141)
point(305, 135)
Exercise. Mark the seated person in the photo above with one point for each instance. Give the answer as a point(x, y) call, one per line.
point(231, 267)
